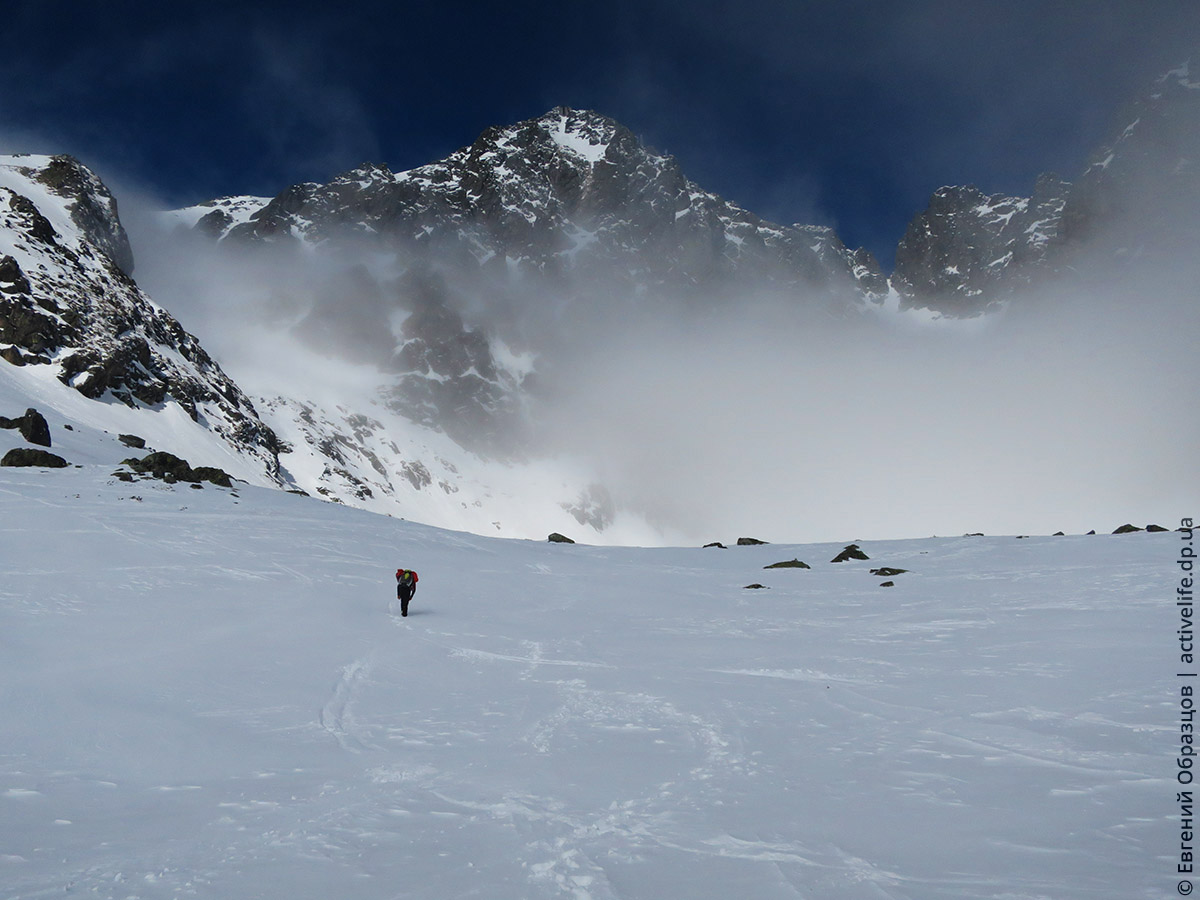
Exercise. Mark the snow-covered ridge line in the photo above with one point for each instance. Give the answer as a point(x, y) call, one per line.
point(507, 195)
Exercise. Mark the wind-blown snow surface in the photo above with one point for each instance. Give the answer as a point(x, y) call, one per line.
point(207, 695)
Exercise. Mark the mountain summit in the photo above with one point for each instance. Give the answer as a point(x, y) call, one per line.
point(569, 192)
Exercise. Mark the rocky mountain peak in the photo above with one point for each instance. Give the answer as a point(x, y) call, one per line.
point(570, 190)
point(1141, 188)
point(92, 208)
point(568, 206)
point(955, 255)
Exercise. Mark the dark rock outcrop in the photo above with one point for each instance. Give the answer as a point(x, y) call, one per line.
point(31, 456)
point(170, 468)
point(789, 564)
point(595, 507)
point(32, 425)
point(571, 191)
point(968, 250)
point(852, 551)
point(568, 207)
point(556, 538)
point(749, 542)
point(1140, 194)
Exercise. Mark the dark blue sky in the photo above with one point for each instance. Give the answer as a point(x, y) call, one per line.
point(843, 113)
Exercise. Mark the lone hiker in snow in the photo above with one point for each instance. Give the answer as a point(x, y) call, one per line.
point(406, 586)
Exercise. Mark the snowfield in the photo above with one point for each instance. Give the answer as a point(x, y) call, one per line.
point(207, 693)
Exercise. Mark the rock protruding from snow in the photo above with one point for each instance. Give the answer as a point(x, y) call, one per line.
point(32, 425)
point(91, 206)
point(170, 468)
point(32, 456)
point(849, 552)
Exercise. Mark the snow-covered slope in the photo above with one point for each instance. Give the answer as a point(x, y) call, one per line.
point(87, 348)
point(207, 695)
point(214, 217)
point(374, 458)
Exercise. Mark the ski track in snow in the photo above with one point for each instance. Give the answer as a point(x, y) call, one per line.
point(222, 701)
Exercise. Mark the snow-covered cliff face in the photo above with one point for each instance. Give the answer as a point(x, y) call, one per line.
point(967, 250)
point(1141, 190)
point(1138, 196)
point(67, 302)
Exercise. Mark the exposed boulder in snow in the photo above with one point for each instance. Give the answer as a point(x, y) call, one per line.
point(749, 542)
point(32, 426)
point(1127, 529)
point(556, 538)
point(789, 564)
point(852, 551)
point(170, 468)
point(31, 456)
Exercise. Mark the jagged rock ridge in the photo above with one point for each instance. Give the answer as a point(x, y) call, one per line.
point(568, 191)
point(1139, 195)
point(967, 249)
